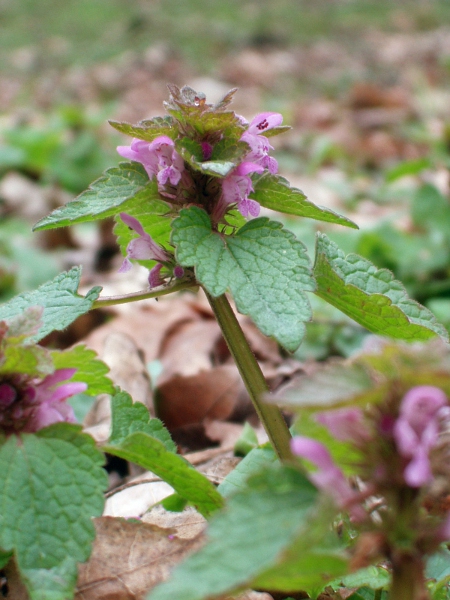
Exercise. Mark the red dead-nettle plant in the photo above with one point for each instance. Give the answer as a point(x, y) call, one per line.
point(187, 206)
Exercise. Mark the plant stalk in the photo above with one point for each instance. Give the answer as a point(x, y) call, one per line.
point(408, 579)
point(269, 414)
point(162, 290)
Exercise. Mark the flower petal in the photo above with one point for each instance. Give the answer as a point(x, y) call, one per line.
point(133, 223)
point(265, 121)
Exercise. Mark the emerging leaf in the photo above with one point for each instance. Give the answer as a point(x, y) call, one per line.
point(148, 130)
point(371, 296)
point(226, 156)
point(264, 266)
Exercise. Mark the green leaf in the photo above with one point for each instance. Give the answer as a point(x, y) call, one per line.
point(274, 192)
point(152, 454)
point(174, 503)
point(90, 369)
point(373, 577)
point(277, 130)
point(24, 324)
point(57, 583)
point(329, 386)
point(148, 130)
point(407, 167)
point(367, 593)
point(104, 197)
point(371, 296)
point(311, 559)
point(28, 359)
point(430, 210)
point(250, 538)
point(51, 484)
point(81, 404)
point(17, 353)
point(255, 461)
point(5, 558)
point(248, 441)
point(264, 266)
point(438, 565)
point(129, 417)
point(59, 299)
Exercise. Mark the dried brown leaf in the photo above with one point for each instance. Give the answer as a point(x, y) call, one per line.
point(129, 558)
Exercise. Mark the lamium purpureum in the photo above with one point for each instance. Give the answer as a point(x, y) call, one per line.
point(33, 393)
point(28, 404)
point(180, 186)
point(403, 449)
point(187, 207)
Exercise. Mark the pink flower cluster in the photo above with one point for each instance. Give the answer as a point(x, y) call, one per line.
point(27, 405)
point(411, 436)
point(161, 160)
point(237, 185)
point(329, 478)
point(416, 431)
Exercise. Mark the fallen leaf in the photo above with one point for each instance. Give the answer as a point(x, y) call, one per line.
point(210, 394)
point(129, 558)
point(186, 525)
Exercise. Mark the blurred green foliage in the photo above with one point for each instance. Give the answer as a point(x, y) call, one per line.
point(22, 266)
point(69, 148)
point(82, 32)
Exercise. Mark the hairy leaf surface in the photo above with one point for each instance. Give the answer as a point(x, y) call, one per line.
point(371, 296)
point(264, 266)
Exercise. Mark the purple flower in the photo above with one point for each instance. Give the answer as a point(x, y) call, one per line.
point(207, 150)
point(142, 247)
point(154, 277)
point(328, 477)
point(416, 431)
point(29, 405)
point(345, 424)
point(259, 144)
point(236, 187)
point(7, 395)
point(139, 151)
point(49, 399)
point(159, 158)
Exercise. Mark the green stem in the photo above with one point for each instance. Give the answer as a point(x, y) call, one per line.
point(269, 414)
point(408, 582)
point(408, 579)
point(162, 290)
